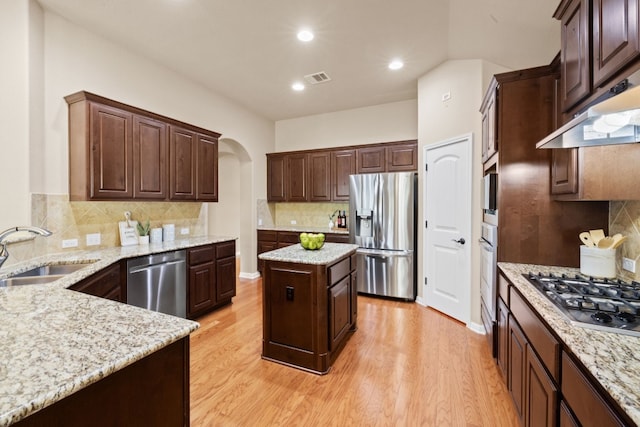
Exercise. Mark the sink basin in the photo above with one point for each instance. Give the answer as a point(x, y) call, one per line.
point(34, 280)
point(50, 270)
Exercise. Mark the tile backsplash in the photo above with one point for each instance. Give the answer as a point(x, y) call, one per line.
point(74, 220)
point(624, 218)
point(307, 214)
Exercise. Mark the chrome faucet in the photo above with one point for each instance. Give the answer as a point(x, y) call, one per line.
point(4, 254)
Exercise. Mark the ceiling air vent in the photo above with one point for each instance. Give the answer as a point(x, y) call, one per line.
point(315, 78)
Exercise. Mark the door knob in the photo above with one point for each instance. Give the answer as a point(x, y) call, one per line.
point(460, 240)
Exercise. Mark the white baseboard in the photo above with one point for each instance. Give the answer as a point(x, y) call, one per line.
point(420, 301)
point(250, 276)
point(478, 328)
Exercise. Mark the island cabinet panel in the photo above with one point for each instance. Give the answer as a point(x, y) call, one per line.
point(308, 312)
point(343, 164)
point(291, 302)
point(153, 391)
point(120, 152)
point(150, 153)
point(111, 153)
point(109, 283)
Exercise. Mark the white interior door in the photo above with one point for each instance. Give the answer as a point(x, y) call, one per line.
point(447, 238)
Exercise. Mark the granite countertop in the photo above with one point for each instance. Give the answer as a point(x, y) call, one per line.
point(296, 253)
point(612, 358)
point(300, 229)
point(56, 341)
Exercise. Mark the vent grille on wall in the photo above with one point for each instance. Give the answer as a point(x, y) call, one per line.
point(315, 78)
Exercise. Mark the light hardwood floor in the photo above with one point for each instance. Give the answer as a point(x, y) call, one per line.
point(406, 365)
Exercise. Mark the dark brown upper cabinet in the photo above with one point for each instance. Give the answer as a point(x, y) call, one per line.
point(574, 45)
point(120, 152)
point(343, 164)
point(600, 43)
point(615, 37)
point(149, 158)
point(297, 176)
point(320, 176)
point(276, 185)
point(323, 175)
point(371, 159)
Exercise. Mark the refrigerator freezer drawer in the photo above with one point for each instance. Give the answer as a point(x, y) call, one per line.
point(386, 273)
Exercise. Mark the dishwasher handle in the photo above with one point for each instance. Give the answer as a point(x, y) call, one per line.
point(145, 267)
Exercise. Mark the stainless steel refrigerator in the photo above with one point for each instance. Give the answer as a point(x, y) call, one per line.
point(382, 221)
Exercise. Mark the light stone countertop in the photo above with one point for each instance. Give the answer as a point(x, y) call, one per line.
point(55, 342)
point(300, 229)
point(296, 253)
point(612, 358)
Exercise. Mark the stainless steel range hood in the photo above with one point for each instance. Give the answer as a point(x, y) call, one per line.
point(614, 118)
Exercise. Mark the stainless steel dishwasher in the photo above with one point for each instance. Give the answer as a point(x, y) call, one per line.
point(159, 282)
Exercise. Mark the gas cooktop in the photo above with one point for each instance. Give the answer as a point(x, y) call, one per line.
point(603, 304)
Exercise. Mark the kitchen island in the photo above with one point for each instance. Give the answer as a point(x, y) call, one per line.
point(68, 358)
point(309, 304)
point(597, 372)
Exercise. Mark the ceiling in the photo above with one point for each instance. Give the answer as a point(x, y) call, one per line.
point(247, 51)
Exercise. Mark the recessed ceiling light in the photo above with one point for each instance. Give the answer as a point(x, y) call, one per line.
point(297, 86)
point(305, 35)
point(396, 64)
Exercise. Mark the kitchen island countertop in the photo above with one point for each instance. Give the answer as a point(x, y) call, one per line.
point(56, 342)
point(612, 358)
point(296, 253)
point(300, 229)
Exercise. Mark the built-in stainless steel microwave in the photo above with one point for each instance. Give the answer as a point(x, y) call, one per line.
point(489, 191)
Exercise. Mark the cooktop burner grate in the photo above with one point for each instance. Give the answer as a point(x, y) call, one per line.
point(604, 304)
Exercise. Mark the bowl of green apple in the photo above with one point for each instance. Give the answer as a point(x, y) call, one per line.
point(311, 241)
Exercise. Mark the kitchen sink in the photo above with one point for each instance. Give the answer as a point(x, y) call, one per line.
point(34, 280)
point(43, 274)
point(51, 270)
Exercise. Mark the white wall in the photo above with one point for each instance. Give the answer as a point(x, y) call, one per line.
point(466, 81)
point(15, 104)
point(75, 59)
point(396, 121)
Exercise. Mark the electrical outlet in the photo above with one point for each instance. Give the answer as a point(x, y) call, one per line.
point(293, 222)
point(629, 264)
point(69, 243)
point(446, 96)
point(184, 230)
point(93, 239)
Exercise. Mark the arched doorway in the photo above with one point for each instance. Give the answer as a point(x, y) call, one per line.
point(234, 213)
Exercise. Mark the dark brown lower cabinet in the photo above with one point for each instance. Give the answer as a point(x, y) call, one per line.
point(516, 367)
point(541, 393)
point(153, 391)
point(109, 283)
point(549, 386)
point(308, 312)
point(211, 281)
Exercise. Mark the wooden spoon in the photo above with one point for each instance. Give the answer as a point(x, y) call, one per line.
point(606, 243)
point(586, 239)
point(596, 235)
point(619, 241)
